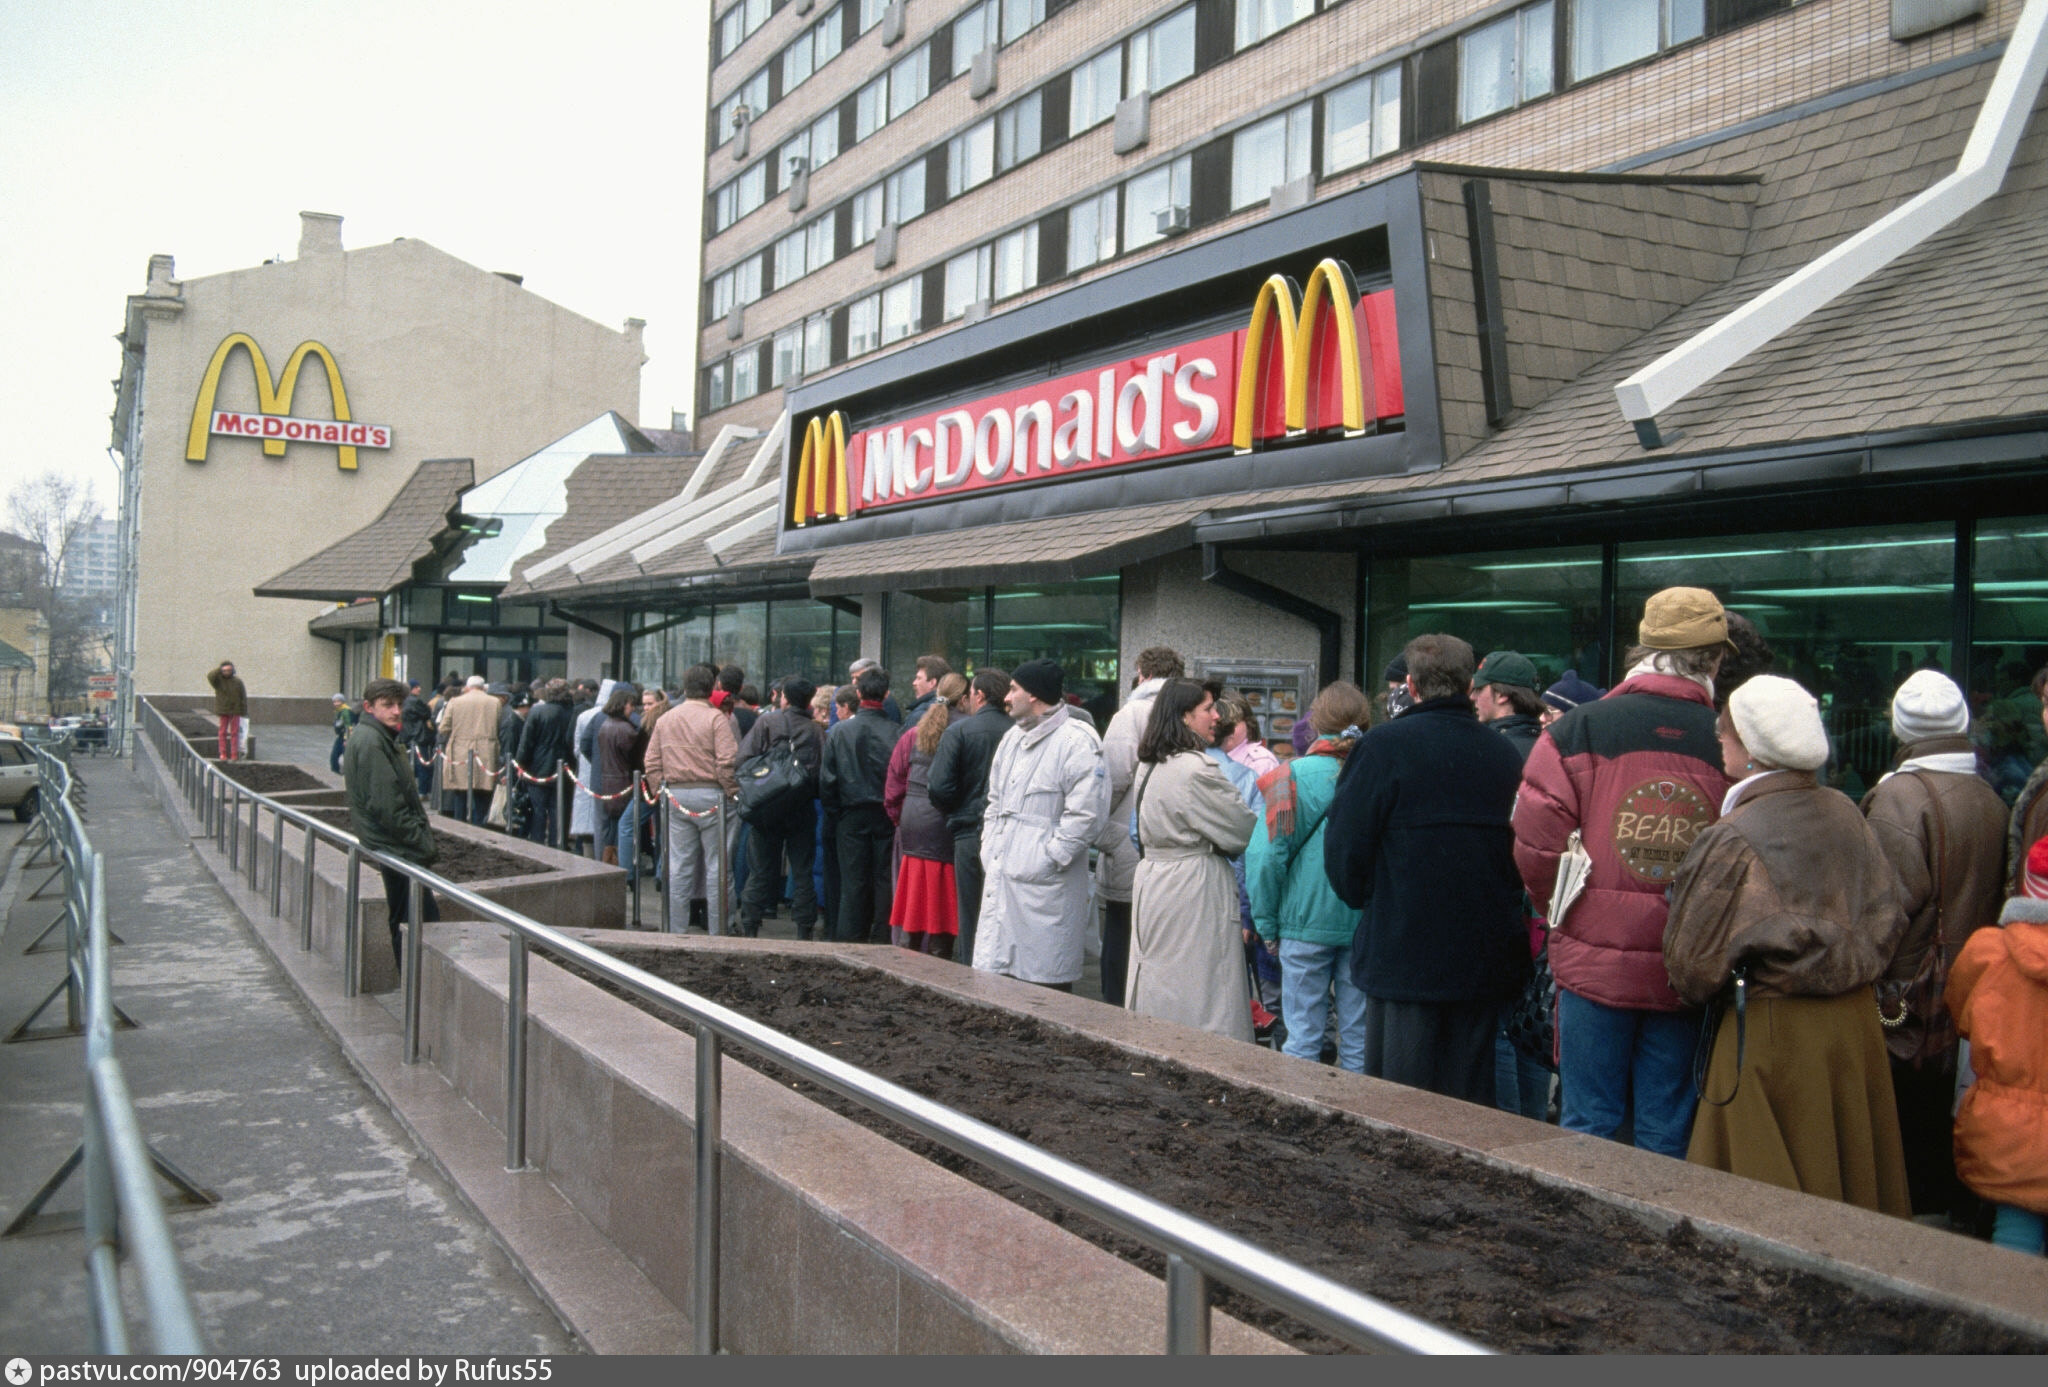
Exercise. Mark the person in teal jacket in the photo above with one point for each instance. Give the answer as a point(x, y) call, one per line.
point(1293, 905)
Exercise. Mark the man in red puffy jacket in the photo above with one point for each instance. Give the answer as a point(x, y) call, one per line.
point(1639, 774)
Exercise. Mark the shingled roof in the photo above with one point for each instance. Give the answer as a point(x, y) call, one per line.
point(380, 556)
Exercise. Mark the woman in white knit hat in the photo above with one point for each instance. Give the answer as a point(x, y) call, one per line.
point(1786, 911)
point(1943, 828)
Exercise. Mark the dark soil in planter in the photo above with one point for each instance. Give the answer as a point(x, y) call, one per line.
point(191, 724)
point(1500, 1258)
point(269, 777)
point(459, 859)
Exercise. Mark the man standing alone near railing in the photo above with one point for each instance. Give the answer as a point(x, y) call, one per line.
point(230, 705)
point(384, 807)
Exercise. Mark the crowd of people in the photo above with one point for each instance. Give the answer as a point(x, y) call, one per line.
point(1642, 913)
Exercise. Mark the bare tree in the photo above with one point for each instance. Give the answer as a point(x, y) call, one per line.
point(48, 515)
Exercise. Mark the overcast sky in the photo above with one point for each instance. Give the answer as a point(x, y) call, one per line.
point(560, 141)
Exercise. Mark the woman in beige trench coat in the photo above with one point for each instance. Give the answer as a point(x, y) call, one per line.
point(1187, 958)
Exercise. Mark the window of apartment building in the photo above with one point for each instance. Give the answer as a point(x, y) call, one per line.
point(971, 157)
point(715, 377)
point(1020, 17)
point(739, 197)
point(1265, 155)
point(827, 37)
point(902, 309)
point(1261, 19)
point(967, 282)
point(1165, 53)
point(738, 285)
point(740, 21)
point(1507, 62)
point(816, 146)
point(1094, 89)
point(820, 247)
point(910, 81)
point(979, 28)
point(796, 62)
point(871, 107)
point(865, 207)
point(785, 357)
point(864, 325)
point(792, 259)
point(746, 375)
point(1609, 33)
point(1362, 120)
point(1154, 200)
point(817, 344)
point(1091, 231)
point(871, 13)
point(1016, 262)
point(1019, 128)
point(753, 94)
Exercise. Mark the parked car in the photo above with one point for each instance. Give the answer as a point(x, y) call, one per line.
point(17, 778)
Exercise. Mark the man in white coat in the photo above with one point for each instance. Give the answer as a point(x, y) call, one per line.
point(1048, 799)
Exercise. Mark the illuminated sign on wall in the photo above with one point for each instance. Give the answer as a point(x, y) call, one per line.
point(1310, 363)
point(274, 423)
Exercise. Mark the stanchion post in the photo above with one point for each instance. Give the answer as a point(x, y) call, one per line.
point(633, 807)
point(704, 1280)
point(416, 892)
point(718, 915)
point(561, 808)
point(663, 827)
point(306, 894)
point(1187, 1306)
point(515, 1054)
point(351, 924)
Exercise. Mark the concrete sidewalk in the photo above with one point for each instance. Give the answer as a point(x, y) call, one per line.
point(333, 1234)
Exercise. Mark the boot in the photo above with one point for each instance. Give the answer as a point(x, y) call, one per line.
point(611, 855)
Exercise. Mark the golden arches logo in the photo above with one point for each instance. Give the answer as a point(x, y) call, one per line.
point(1300, 368)
point(821, 485)
point(276, 401)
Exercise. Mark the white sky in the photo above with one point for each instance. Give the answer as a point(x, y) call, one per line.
point(560, 141)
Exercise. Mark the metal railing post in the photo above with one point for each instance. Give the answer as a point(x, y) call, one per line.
point(255, 841)
point(704, 1278)
point(1187, 1306)
point(515, 1054)
point(102, 1235)
point(416, 892)
point(663, 828)
point(277, 866)
point(351, 924)
point(306, 894)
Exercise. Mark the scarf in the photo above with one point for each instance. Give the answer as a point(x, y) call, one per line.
point(874, 703)
point(1950, 755)
point(1278, 785)
point(1654, 664)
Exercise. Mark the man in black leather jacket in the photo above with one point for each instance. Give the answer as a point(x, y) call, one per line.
point(958, 787)
point(544, 743)
point(794, 836)
point(854, 776)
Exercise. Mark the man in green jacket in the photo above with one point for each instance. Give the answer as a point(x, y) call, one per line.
point(384, 807)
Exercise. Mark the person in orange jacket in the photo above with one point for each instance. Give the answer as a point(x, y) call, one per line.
point(1998, 994)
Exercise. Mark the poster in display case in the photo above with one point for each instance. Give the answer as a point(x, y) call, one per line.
point(1278, 692)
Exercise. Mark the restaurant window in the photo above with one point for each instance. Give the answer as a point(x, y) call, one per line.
point(1264, 156)
point(1095, 88)
point(1091, 231)
point(1074, 624)
point(1261, 19)
point(1362, 120)
point(1164, 53)
point(902, 308)
point(739, 636)
point(1544, 603)
point(951, 622)
point(1155, 202)
point(811, 639)
point(2008, 645)
point(1507, 62)
point(1848, 613)
point(1606, 34)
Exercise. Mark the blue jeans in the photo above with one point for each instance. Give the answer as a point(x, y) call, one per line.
point(1306, 971)
point(626, 834)
point(1520, 1085)
point(2020, 1230)
point(1614, 1062)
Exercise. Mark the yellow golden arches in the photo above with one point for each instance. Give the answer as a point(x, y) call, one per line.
point(269, 399)
point(821, 484)
point(1297, 362)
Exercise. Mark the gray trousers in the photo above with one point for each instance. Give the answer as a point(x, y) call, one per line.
point(695, 864)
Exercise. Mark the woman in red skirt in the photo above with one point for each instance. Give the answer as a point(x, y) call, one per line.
point(924, 914)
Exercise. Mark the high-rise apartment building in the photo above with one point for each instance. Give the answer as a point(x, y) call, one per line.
point(92, 565)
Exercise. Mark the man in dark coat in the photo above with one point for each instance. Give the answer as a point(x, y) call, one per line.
point(958, 788)
point(793, 835)
point(384, 806)
point(544, 744)
point(416, 736)
point(1419, 840)
point(851, 783)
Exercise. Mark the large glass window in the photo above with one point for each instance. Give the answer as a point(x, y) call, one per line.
point(769, 640)
point(1608, 33)
point(1507, 62)
point(1165, 53)
point(2008, 645)
point(1076, 624)
point(1848, 613)
point(1362, 120)
point(1156, 202)
point(1265, 155)
point(1258, 19)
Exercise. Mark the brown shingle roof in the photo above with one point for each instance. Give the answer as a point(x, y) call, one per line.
point(356, 616)
point(381, 555)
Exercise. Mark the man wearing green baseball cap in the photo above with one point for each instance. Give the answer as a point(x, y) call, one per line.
point(1504, 691)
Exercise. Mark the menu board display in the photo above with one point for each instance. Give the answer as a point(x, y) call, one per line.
point(1277, 691)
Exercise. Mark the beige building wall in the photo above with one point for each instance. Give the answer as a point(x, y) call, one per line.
point(26, 691)
point(457, 361)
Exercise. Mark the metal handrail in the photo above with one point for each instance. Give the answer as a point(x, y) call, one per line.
point(123, 1210)
point(1196, 1251)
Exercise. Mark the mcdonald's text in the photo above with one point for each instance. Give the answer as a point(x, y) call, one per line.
point(299, 430)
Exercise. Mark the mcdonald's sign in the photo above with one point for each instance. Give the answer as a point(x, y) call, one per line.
point(274, 423)
point(1309, 362)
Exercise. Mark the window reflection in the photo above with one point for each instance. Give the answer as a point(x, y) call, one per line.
point(1544, 603)
point(2008, 644)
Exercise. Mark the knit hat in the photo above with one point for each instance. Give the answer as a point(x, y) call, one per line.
point(1042, 679)
point(1682, 619)
point(2034, 875)
point(1929, 705)
point(341, 698)
point(1506, 668)
point(1570, 691)
point(1779, 722)
point(1396, 670)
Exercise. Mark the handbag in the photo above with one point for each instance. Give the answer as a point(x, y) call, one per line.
point(1531, 1021)
point(496, 818)
point(774, 784)
point(1921, 995)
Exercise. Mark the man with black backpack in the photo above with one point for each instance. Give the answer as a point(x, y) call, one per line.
point(778, 807)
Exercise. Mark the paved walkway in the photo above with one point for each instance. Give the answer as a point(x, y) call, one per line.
point(333, 1235)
